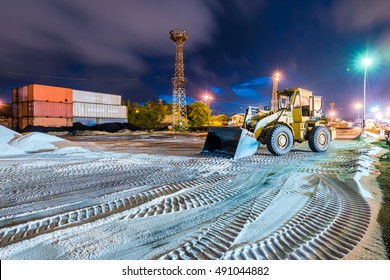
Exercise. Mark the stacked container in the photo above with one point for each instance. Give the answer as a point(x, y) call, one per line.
point(91, 108)
point(41, 105)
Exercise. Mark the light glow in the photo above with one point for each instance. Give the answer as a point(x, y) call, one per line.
point(375, 109)
point(367, 62)
point(276, 76)
point(358, 105)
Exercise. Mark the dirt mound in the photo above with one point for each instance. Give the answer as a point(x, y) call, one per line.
point(107, 127)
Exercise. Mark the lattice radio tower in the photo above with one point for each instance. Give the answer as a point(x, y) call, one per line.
point(179, 109)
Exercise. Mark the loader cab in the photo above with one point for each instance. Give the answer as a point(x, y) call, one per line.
point(298, 102)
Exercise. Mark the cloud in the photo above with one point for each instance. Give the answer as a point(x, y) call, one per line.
point(217, 90)
point(355, 15)
point(257, 82)
point(245, 10)
point(247, 93)
point(119, 32)
point(251, 89)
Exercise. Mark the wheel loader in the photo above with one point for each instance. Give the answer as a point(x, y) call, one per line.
point(299, 118)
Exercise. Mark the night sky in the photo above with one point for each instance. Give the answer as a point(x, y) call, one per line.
point(234, 46)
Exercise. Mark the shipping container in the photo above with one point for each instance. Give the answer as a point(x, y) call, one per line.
point(47, 122)
point(96, 97)
point(85, 121)
point(95, 121)
point(44, 109)
point(111, 120)
point(110, 99)
point(23, 94)
point(22, 123)
point(50, 109)
point(15, 95)
point(49, 93)
point(92, 110)
point(15, 123)
point(22, 109)
point(19, 94)
point(84, 96)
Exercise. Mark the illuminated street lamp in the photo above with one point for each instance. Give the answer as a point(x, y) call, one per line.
point(375, 109)
point(358, 106)
point(332, 114)
point(208, 98)
point(366, 62)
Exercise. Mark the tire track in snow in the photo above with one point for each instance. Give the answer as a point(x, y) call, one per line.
point(34, 228)
point(328, 227)
point(217, 189)
point(219, 236)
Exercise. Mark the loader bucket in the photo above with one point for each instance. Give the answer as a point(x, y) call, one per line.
point(233, 142)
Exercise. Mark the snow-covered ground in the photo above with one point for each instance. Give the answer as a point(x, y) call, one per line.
point(156, 197)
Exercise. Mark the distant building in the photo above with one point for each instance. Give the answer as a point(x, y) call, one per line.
point(41, 105)
point(237, 119)
point(217, 123)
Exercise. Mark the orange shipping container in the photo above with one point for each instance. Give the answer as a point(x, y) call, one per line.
point(49, 93)
point(22, 109)
point(14, 95)
point(22, 123)
point(15, 123)
point(47, 122)
point(50, 109)
point(19, 94)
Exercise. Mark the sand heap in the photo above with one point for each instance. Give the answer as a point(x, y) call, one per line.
point(13, 143)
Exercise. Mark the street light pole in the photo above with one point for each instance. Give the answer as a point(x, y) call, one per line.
point(364, 100)
point(358, 106)
point(366, 63)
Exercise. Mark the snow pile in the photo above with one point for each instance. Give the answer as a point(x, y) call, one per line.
point(365, 167)
point(369, 137)
point(8, 150)
point(7, 135)
point(13, 143)
point(35, 142)
point(363, 170)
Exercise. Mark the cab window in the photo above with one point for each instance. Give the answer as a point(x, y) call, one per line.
point(284, 101)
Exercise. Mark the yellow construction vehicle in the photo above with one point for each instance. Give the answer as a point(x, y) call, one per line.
point(298, 119)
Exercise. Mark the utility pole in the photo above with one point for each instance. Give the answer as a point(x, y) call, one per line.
point(274, 101)
point(331, 111)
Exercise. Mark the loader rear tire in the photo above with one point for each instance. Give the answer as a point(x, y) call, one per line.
point(279, 140)
point(319, 139)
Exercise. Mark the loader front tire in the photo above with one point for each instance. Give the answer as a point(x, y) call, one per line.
point(279, 140)
point(319, 139)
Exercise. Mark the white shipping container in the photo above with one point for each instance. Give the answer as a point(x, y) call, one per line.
point(96, 97)
point(91, 110)
point(84, 96)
